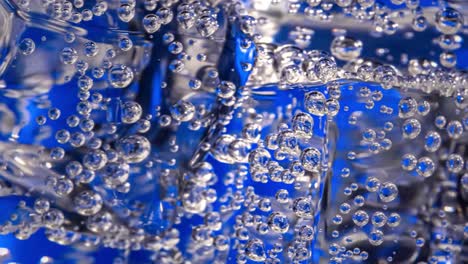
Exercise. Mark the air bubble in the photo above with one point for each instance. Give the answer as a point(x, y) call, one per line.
point(27, 46)
point(411, 128)
point(388, 192)
point(41, 205)
point(407, 107)
point(131, 112)
point(63, 187)
point(120, 76)
point(360, 218)
point(379, 219)
point(376, 237)
point(449, 20)
point(125, 44)
point(207, 26)
point(115, 174)
point(325, 69)
point(255, 250)
point(303, 207)
point(126, 12)
point(151, 23)
point(315, 103)
point(408, 162)
point(87, 203)
point(165, 15)
point(455, 129)
point(183, 111)
point(311, 159)
point(68, 56)
point(346, 48)
point(100, 222)
point(432, 141)
point(303, 125)
point(455, 163)
point(133, 148)
point(53, 218)
point(91, 49)
point(278, 222)
point(95, 160)
point(225, 89)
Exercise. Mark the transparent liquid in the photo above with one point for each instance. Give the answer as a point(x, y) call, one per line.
point(259, 132)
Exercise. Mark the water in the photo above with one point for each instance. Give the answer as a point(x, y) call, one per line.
point(233, 131)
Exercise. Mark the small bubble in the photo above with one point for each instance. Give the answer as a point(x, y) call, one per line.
point(225, 89)
point(54, 113)
point(315, 103)
point(100, 222)
point(345, 208)
point(388, 192)
point(151, 23)
point(91, 49)
point(373, 184)
point(165, 15)
point(455, 163)
point(87, 203)
point(278, 222)
point(455, 129)
point(346, 48)
point(133, 148)
point(325, 69)
point(419, 23)
point(41, 205)
point(411, 128)
point(63, 187)
point(126, 12)
point(376, 237)
point(408, 162)
point(379, 219)
point(120, 76)
point(440, 122)
point(57, 153)
point(303, 207)
point(41, 120)
point(195, 84)
point(255, 250)
point(95, 160)
point(448, 20)
point(70, 37)
point(359, 200)
point(183, 111)
point(432, 141)
point(360, 218)
point(125, 44)
point(448, 59)
point(62, 136)
point(73, 168)
point(131, 112)
point(53, 218)
point(115, 174)
point(311, 159)
point(73, 121)
point(207, 25)
point(68, 55)
point(251, 132)
point(27, 46)
point(407, 107)
point(282, 196)
point(176, 66)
